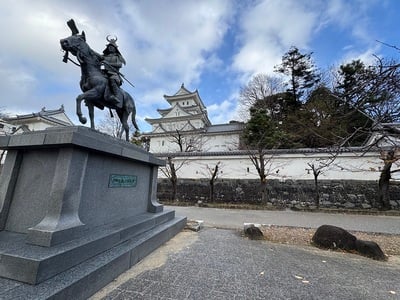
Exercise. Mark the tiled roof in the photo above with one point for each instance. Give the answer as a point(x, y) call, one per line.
point(44, 114)
point(358, 150)
point(233, 126)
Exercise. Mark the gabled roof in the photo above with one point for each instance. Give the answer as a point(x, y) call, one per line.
point(56, 116)
point(174, 119)
point(183, 94)
point(182, 91)
point(385, 134)
point(164, 111)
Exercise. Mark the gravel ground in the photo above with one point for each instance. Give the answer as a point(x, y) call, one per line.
point(390, 244)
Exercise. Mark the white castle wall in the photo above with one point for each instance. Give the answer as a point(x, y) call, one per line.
point(293, 166)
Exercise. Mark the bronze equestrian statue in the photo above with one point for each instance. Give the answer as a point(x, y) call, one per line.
point(100, 88)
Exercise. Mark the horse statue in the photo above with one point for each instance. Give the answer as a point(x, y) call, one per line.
point(94, 83)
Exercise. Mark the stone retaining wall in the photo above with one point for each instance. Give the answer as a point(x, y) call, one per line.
point(349, 194)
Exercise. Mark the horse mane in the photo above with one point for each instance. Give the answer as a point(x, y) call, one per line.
point(98, 56)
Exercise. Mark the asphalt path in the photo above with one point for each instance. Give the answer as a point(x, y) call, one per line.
point(219, 263)
point(234, 218)
point(222, 264)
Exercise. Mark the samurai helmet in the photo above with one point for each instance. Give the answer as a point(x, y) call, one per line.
point(112, 41)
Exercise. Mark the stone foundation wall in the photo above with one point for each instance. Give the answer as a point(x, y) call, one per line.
point(349, 194)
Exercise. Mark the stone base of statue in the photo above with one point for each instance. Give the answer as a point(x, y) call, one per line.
point(77, 208)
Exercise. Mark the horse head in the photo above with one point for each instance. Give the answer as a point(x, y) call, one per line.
point(75, 44)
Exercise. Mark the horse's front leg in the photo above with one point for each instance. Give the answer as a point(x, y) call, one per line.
point(79, 99)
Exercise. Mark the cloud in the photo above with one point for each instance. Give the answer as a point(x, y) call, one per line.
point(223, 112)
point(174, 40)
point(218, 42)
point(164, 43)
point(267, 30)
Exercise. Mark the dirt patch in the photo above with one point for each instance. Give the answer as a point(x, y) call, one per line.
point(389, 243)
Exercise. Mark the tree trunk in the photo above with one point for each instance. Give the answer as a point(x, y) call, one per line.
point(383, 192)
point(212, 181)
point(211, 190)
point(173, 178)
point(316, 186)
point(174, 189)
point(263, 186)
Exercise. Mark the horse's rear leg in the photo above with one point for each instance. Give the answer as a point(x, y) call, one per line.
point(123, 117)
point(91, 114)
point(126, 128)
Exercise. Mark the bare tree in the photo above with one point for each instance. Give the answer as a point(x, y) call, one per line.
point(112, 126)
point(387, 142)
point(319, 166)
point(262, 161)
point(170, 171)
point(259, 88)
point(212, 173)
point(185, 143)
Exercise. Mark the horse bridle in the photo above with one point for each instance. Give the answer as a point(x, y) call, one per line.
point(66, 59)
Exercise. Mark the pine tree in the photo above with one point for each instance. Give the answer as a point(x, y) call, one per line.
point(301, 72)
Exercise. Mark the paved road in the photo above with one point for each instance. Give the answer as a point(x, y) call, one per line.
point(221, 264)
point(234, 218)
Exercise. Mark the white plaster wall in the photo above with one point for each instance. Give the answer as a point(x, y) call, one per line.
point(207, 143)
point(348, 166)
point(38, 125)
point(162, 144)
point(221, 142)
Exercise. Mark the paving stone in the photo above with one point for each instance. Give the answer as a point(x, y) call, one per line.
point(221, 264)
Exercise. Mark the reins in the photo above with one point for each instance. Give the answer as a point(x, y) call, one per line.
point(66, 59)
point(75, 63)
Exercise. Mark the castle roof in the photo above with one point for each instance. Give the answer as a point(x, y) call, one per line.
point(183, 94)
point(56, 117)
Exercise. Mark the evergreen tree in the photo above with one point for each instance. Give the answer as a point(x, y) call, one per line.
point(261, 132)
point(325, 120)
point(301, 72)
point(374, 89)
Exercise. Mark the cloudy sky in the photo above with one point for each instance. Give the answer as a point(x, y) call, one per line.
point(214, 46)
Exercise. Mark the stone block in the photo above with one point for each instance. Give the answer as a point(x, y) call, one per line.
point(83, 280)
point(253, 231)
point(349, 204)
point(333, 237)
point(194, 225)
point(67, 196)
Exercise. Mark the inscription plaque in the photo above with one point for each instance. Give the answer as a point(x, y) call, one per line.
point(118, 180)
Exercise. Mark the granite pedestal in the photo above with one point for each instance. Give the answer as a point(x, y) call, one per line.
point(71, 195)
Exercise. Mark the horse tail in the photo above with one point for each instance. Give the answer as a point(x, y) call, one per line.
point(133, 116)
point(130, 107)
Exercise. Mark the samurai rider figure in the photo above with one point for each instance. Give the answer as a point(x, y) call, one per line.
point(112, 62)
